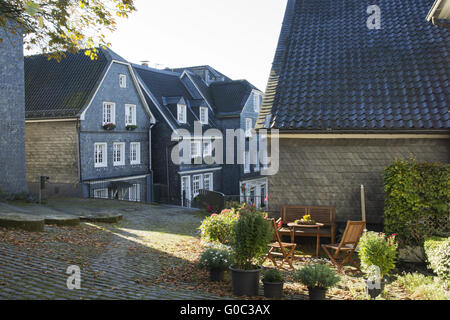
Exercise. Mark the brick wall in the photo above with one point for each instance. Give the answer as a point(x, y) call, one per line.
point(330, 172)
point(51, 149)
point(12, 110)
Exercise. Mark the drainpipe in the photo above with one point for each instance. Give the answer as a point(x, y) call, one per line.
point(170, 145)
point(363, 204)
point(80, 176)
point(150, 158)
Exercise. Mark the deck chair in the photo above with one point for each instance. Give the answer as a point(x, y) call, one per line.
point(286, 249)
point(347, 246)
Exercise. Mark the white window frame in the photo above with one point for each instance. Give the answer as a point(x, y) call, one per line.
point(181, 113)
point(121, 161)
point(104, 154)
point(200, 184)
point(257, 165)
point(135, 153)
point(264, 153)
point(134, 193)
point(130, 114)
point(101, 193)
point(112, 113)
point(123, 80)
point(198, 152)
point(247, 162)
point(256, 102)
point(210, 178)
point(203, 115)
point(207, 148)
point(248, 127)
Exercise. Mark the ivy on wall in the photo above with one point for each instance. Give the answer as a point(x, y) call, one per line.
point(417, 197)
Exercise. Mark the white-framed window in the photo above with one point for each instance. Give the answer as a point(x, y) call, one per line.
point(263, 195)
point(248, 127)
point(203, 115)
point(257, 165)
point(100, 155)
point(181, 113)
point(135, 153)
point(195, 149)
point(197, 184)
point(246, 162)
point(208, 182)
point(101, 193)
point(207, 148)
point(119, 153)
point(264, 152)
point(109, 112)
point(257, 102)
point(130, 115)
point(123, 81)
point(134, 193)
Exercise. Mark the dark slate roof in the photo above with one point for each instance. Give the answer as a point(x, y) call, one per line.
point(62, 89)
point(230, 96)
point(194, 69)
point(331, 73)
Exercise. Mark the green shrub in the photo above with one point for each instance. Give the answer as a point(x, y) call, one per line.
point(437, 251)
point(375, 249)
point(252, 233)
point(422, 287)
point(317, 276)
point(216, 257)
point(417, 197)
point(218, 228)
point(273, 276)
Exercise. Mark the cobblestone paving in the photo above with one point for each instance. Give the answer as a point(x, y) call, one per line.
point(117, 272)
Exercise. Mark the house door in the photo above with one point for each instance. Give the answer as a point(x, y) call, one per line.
point(186, 191)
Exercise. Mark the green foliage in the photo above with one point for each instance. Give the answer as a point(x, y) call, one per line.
point(417, 201)
point(219, 228)
point(317, 276)
point(273, 276)
point(252, 233)
point(69, 25)
point(422, 287)
point(216, 257)
point(437, 251)
point(375, 249)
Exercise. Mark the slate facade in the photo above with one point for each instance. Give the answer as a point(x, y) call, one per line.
point(12, 109)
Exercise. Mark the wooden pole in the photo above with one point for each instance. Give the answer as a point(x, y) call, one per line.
point(363, 203)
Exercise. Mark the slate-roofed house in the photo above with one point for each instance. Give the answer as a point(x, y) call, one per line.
point(88, 127)
point(12, 120)
point(349, 99)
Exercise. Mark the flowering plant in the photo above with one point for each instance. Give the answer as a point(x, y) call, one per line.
point(216, 257)
point(218, 228)
point(109, 126)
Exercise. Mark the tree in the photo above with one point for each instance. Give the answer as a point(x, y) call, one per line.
point(55, 26)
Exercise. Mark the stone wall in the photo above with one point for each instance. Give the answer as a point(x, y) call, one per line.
point(12, 110)
point(51, 149)
point(330, 172)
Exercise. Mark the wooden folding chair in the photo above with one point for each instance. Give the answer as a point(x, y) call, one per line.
point(347, 246)
point(286, 249)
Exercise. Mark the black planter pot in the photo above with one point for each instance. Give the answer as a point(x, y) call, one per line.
point(373, 290)
point(317, 293)
point(216, 275)
point(273, 290)
point(245, 282)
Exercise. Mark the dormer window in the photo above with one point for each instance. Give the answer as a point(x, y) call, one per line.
point(256, 102)
point(181, 113)
point(123, 81)
point(203, 115)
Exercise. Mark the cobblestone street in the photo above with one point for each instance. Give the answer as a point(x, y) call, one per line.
point(124, 267)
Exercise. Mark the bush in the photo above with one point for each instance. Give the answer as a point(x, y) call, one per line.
point(273, 276)
point(417, 201)
point(218, 228)
point(216, 257)
point(375, 249)
point(437, 251)
point(422, 287)
point(317, 276)
point(252, 233)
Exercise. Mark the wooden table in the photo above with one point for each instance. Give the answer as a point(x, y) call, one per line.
point(292, 226)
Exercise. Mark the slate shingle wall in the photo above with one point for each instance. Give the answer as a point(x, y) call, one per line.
point(330, 172)
point(51, 149)
point(12, 110)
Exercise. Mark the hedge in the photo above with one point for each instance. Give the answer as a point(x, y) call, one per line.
point(417, 197)
point(437, 251)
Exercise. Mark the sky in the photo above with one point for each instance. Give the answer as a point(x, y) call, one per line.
point(236, 37)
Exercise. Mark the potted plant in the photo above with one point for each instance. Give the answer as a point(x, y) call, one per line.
point(251, 236)
point(306, 219)
point(131, 127)
point(378, 254)
point(318, 278)
point(273, 281)
point(109, 126)
point(216, 259)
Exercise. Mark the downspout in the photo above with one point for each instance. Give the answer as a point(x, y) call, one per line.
point(170, 145)
point(80, 177)
point(150, 165)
